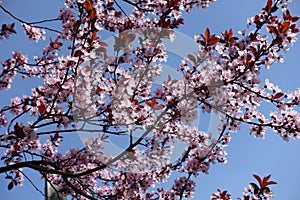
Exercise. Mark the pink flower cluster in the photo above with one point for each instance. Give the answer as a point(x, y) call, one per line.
point(87, 88)
point(34, 33)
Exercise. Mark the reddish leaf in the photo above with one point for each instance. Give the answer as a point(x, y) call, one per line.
point(56, 44)
point(213, 40)
point(274, 9)
point(10, 186)
point(140, 106)
point(154, 102)
point(278, 95)
point(41, 107)
point(271, 183)
point(256, 20)
point(192, 58)
point(295, 30)
point(287, 15)
point(265, 180)
point(283, 27)
point(294, 19)
point(88, 5)
point(180, 21)
point(202, 43)
point(94, 35)
point(271, 29)
point(158, 106)
point(92, 14)
point(230, 34)
point(269, 5)
point(248, 60)
point(258, 179)
point(18, 131)
point(253, 50)
point(118, 14)
point(147, 103)
point(78, 53)
point(273, 19)
point(206, 35)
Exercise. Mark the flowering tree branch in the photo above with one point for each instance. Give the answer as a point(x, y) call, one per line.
point(108, 90)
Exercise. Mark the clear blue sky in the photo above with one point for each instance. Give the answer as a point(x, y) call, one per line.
point(246, 155)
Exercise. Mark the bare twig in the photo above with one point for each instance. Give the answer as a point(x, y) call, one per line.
point(28, 23)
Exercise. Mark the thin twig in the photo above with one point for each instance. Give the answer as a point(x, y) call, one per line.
point(28, 23)
point(43, 21)
point(121, 8)
point(31, 182)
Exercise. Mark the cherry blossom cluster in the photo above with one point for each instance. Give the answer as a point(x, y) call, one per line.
point(10, 68)
point(108, 90)
point(34, 33)
point(238, 65)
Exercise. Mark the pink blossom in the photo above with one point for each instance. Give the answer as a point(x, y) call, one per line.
point(34, 33)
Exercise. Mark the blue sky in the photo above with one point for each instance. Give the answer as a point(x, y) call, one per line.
point(246, 155)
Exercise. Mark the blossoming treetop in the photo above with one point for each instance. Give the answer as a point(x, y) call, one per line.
point(90, 89)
